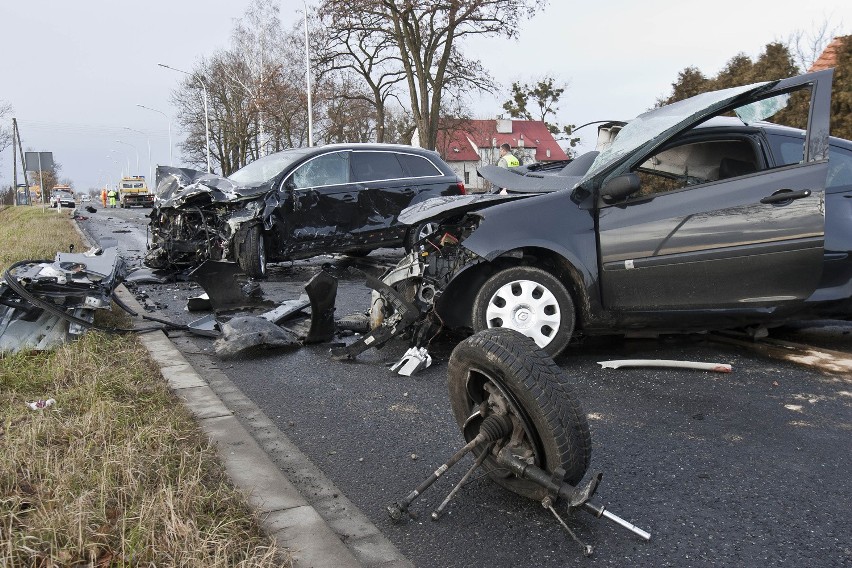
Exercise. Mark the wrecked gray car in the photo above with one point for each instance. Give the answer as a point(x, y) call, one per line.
point(700, 215)
point(343, 198)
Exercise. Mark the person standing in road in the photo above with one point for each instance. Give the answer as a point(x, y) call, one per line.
point(111, 196)
point(104, 196)
point(507, 159)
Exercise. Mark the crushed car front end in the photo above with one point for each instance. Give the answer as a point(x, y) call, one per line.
point(199, 216)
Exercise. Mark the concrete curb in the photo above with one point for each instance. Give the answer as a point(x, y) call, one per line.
point(330, 531)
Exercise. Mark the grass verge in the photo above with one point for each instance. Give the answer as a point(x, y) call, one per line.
point(116, 473)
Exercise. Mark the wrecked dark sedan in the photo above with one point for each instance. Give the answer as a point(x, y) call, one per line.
point(700, 215)
point(343, 198)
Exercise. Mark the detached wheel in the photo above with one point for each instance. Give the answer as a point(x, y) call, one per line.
point(418, 233)
point(528, 300)
point(252, 253)
point(500, 370)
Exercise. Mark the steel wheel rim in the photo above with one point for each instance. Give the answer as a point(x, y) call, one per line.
point(476, 394)
point(527, 307)
point(426, 229)
point(261, 253)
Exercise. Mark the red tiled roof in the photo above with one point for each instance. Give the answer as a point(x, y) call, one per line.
point(456, 146)
point(828, 57)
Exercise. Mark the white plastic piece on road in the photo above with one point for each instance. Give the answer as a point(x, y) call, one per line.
point(618, 364)
point(415, 359)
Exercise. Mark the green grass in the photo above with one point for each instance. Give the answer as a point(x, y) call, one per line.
point(116, 473)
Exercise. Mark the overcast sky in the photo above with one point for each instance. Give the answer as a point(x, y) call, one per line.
point(75, 71)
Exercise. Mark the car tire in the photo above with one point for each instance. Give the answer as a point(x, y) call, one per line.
point(417, 233)
point(252, 255)
point(539, 398)
point(529, 300)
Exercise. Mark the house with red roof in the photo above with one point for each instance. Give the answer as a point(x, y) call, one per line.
point(468, 144)
point(830, 55)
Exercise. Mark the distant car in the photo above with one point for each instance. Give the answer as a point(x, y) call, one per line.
point(85, 198)
point(700, 215)
point(62, 199)
point(303, 202)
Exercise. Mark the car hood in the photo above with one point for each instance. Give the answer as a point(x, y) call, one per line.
point(452, 204)
point(176, 186)
point(538, 177)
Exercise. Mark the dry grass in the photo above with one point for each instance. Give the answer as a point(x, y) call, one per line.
point(116, 473)
point(28, 233)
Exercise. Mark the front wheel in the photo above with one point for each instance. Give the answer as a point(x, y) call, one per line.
point(501, 371)
point(418, 233)
point(252, 253)
point(529, 300)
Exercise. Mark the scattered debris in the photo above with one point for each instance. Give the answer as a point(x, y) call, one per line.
point(667, 363)
point(415, 359)
point(41, 404)
point(252, 332)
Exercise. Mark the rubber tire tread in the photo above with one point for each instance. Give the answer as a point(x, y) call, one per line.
point(546, 279)
point(248, 257)
point(541, 387)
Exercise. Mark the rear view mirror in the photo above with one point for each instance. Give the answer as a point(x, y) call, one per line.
point(620, 187)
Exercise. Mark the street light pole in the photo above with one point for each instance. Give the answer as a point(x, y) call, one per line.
point(170, 128)
point(308, 80)
point(147, 141)
point(206, 112)
point(128, 159)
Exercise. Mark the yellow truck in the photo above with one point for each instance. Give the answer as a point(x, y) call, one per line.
point(134, 191)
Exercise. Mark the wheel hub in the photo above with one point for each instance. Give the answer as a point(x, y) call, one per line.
point(528, 307)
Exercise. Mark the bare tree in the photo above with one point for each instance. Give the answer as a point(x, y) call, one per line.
point(806, 46)
point(357, 42)
point(5, 131)
point(425, 34)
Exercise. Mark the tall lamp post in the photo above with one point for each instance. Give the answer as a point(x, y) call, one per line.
point(147, 141)
point(200, 79)
point(308, 80)
point(170, 128)
point(128, 159)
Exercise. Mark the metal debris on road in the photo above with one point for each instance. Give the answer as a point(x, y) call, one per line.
point(665, 363)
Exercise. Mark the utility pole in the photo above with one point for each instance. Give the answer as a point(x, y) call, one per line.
point(15, 164)
point(17, 134)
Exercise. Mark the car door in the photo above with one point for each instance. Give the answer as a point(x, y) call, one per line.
point(383, 191)
point(323, 201)
point(751, 239)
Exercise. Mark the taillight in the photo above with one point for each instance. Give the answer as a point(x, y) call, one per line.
point(460, 185)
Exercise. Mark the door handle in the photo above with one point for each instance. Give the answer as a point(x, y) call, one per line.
point(786, 195)
point(348, 198)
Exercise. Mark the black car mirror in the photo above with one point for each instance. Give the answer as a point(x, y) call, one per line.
point(621, 187)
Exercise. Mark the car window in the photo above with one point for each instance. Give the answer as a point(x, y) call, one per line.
point(839, 168)
point(418, 166)
point(328, 169)
point(374, 166)
point(696, 163)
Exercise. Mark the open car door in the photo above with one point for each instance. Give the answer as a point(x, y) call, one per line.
point(741, 235)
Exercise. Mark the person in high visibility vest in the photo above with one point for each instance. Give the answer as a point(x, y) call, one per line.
point(507, 159)
point(112, 195)
point(104, 196)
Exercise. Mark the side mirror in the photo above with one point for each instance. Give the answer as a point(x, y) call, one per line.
point(620, 187)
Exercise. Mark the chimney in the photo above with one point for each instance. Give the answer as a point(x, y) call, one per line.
point(504, 125)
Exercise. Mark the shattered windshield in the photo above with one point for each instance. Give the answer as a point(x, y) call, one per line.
point(653, 123)
point(265, 169)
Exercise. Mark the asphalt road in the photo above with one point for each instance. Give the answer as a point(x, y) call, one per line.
point(749, 468)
